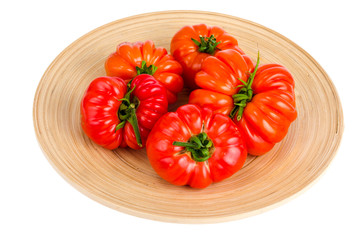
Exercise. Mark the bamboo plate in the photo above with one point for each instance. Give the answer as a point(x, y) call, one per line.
point(124, 180)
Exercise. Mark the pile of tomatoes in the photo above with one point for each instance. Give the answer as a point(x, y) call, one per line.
point(236, 106)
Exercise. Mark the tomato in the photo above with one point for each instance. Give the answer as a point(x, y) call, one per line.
point(192, 44)
point(114, 114)
point(132, 59)
point(260, 100)
point(195, 147)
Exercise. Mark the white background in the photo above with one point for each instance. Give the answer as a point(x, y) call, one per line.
point(36, 203)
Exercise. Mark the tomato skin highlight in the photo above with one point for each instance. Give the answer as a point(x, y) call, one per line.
point(188, 54)
point(266, 118)
point(101, 103)
point(129, 56)
point(177, 166)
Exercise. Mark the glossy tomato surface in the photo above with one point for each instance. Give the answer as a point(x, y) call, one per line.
point(101, 111)
point(271, 108)
point(132, 59)
point(176, 165)
point(185, 49)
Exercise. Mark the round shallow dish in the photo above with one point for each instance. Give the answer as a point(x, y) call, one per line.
point(124, 180)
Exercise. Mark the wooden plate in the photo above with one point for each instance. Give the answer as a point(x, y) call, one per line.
point(124, 180)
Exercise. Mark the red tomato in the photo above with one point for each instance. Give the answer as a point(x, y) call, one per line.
point(195, 147)
point(261, 101)
point(132, 59)
point(114, 114)
point(192, 44)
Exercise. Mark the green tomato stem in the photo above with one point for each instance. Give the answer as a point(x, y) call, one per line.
point(150, 70)
point(127, 113)
point(199, 146)
point(134, 122)
point(244, 95)
point(206, 44)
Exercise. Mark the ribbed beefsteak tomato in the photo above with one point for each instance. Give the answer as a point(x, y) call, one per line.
point(115, 114)
point(195, 147)
point(132, 59)
point(260, 100)
point(192, 44)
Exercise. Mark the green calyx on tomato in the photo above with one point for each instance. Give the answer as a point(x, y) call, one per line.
point(207, 44)
point(200, 147)
point(244, 95)
point(150, 70)
point(127, 112)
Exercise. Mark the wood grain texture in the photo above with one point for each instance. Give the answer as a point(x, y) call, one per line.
point(124, 180)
